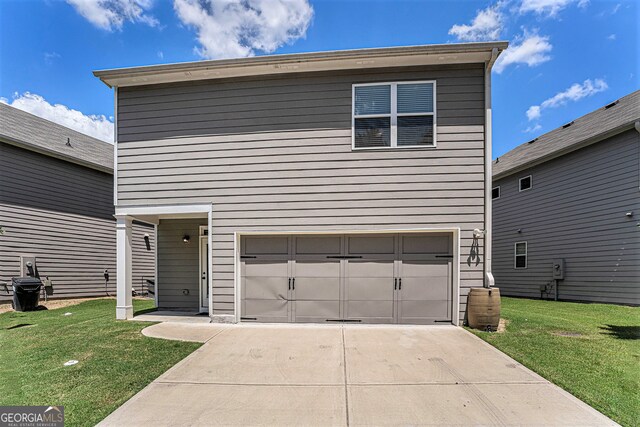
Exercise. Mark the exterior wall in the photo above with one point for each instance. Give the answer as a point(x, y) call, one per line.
point(62, 214)
point(576, 211)
point(274, 154)
point(178, 264)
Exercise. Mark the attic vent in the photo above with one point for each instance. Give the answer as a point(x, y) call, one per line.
point(68, 144)
point(532, 141)
point(497, 159)
point(606, 107)
point(567, 125)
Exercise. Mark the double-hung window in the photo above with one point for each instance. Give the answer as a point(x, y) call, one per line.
point(520, 255)
point(394, 115)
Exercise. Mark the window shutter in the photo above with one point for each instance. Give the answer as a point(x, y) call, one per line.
point(415, 98)
point(373, 100)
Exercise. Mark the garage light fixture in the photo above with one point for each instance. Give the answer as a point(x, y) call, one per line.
point(186, 239)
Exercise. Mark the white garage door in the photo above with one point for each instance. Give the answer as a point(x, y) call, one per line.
point(382, 278)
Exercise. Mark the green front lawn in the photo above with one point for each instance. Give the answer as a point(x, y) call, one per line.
point(115, 359)
point(590, 350)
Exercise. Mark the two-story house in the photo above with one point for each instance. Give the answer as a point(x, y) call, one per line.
point(566, 209)
point(349, 186)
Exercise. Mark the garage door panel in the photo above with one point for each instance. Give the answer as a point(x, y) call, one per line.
point(370, 269)
point(266, 269)
point(369, 311)
point(375, 289)
point(260, 245)
point(421, 244)
point(366, 244)
point(317, 269)
point(318, 245)
point(266, 310)
point(424, 289)
point(316, 311)
point(320, 288)
point(261, 287)
point(424, 311)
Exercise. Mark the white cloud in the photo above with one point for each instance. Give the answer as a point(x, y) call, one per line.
point(574, 93)
point(97, 126)
point(160, 54)
point(111, 14)
point(531, 49)
point(611, 37)
point(549, 8)
point(232, 28)
point(532, 128)
point(487, 25)
point(533, 112)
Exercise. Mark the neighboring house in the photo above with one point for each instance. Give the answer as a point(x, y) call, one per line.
point(571, 198)
point(317, 187)
point(56, 205)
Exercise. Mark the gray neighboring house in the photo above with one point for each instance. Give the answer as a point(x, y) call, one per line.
point(566, 210)
point(320, 187)
point(56, 204)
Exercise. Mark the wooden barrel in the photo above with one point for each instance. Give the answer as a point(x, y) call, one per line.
point(483, 308)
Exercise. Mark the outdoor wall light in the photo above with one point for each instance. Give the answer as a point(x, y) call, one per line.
point(186, 239)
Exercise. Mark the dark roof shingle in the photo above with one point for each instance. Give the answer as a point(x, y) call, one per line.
point(595, 125)
point(20, 128)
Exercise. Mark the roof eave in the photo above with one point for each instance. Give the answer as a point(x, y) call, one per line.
point(50, 153)
point(584, 143)
point(460, 53)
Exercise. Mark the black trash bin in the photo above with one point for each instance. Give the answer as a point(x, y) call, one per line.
point(26, 293)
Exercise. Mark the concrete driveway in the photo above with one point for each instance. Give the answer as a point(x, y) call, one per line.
point(346, 375)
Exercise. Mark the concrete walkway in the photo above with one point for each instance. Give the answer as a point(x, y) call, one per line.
point(346, 375)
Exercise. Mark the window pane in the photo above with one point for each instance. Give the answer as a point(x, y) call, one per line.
point(521, 261)
point(373, 132)
point(521, 248)
point(373, 100)
point(525, 183)
point(495, 193)
point(415, 98)
point(416, 130)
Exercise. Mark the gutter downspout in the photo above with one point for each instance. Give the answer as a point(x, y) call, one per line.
point(489, 281)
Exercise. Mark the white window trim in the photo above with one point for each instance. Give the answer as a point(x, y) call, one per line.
point(520, 190)
point(525, 255)
point(393, 115)
point(499, 192)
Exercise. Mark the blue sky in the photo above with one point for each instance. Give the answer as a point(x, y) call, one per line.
point(567, 57)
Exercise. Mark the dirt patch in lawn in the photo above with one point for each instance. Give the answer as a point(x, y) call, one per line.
point(502, 325)
point(52, 304)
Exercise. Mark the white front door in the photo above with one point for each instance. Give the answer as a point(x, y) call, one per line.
point(204, 274)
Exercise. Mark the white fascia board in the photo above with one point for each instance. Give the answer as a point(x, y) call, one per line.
point(163, 210)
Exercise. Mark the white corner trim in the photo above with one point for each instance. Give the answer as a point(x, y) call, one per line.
point(115, 146)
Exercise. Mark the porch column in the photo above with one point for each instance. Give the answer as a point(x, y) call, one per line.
point(124, 306)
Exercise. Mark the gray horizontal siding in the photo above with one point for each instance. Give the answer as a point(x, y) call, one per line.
point(62, 214)
point(575, 210)
point(274, 154)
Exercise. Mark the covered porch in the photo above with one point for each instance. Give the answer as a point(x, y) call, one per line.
point(182, 258)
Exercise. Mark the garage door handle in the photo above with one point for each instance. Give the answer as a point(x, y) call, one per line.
point(400, 284)
point(293, 284)
point(395, 284)
point(289, 283)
